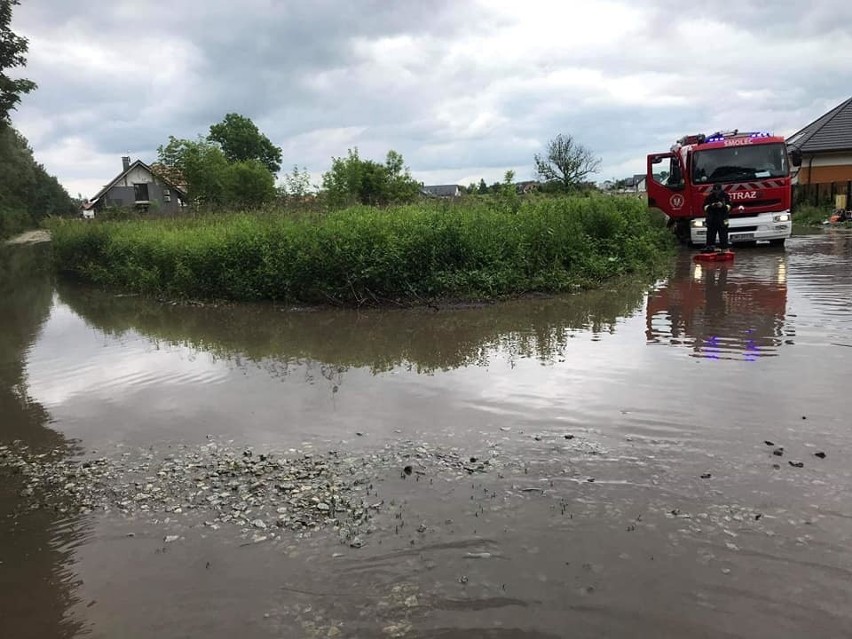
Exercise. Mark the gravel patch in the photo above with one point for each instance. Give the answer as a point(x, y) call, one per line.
point(219, 485)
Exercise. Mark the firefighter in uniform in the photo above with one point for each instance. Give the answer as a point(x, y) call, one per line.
point(717, 206)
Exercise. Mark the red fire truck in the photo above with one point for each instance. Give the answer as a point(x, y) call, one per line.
point(754, 169)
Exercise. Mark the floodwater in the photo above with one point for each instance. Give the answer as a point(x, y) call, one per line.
point(663, 513)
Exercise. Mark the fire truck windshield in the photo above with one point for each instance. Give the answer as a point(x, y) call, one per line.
point(737, 163)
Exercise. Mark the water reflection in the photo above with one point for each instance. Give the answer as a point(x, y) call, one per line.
point(422, 340)
point(719, 311)
point(37, 581)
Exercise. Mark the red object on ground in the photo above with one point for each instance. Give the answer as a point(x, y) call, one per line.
point(714, 257)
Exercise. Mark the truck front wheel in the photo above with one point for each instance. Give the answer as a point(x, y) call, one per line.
point(681, 230)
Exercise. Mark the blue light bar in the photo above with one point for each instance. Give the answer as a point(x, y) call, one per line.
point(720, 137)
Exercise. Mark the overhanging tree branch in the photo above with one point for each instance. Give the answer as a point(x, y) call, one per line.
point(13, 49)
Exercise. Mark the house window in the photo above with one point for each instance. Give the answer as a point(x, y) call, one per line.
point(141, 192)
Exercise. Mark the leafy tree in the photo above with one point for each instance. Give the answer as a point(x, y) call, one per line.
point(401, 187)
point(241, 140)
point(297, 183)
point(566, 163)
point(13, 49)
point(49, 196)
point(249, 183)
point(17, 171)
point(209, 177)
point(483, 187)
point(353, 180)
point(509, 192)
point(202, 166)
point(27, 192)
point(342, 182)
point(508, 185)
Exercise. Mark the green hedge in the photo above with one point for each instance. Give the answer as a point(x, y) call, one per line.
point(364, 254)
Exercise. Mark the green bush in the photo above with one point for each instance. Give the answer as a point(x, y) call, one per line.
point(13, 222)
point(807, 215)
point(368, 255)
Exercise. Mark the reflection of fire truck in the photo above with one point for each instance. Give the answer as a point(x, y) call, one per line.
point(754, 169)
point(719, 312)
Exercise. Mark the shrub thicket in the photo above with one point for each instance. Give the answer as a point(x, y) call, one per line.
point(365, 254)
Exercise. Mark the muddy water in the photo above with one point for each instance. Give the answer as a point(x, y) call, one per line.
point(633, 492)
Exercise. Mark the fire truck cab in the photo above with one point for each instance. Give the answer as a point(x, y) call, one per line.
point(752, 167)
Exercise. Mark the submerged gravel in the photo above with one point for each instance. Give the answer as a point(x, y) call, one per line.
point(217, 484)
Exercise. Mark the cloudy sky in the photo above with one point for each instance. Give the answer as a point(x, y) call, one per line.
point(464, 89)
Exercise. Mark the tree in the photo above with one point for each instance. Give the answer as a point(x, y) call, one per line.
point(241, 140)
point(13, 49)
point(248, 183)
point(566, 163)
point(483, 187)
point(508, 186)
point(401, 187)
point(27, 192)
point(209, 177)
point(353, 180)
point(49, 197)
point(202, 166)
point(297, 183)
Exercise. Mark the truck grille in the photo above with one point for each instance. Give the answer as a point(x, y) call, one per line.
point(749, 204)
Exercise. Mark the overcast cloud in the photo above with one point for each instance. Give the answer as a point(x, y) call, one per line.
point(464, 89)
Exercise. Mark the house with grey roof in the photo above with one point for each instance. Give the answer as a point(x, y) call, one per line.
point(138, 187)
point(633, 184)
point(442, 190)
point(825, 146)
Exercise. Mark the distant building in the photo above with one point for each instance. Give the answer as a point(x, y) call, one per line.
point(443, 190)
point(139, 187)
point(527, 186)
point(634, 184)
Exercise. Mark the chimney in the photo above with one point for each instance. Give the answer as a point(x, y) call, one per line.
point(125, 162)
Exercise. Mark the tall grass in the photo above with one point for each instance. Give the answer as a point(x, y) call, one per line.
point(808, 215)
point(363, 254)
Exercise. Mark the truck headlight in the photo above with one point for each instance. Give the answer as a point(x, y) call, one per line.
point(784, 217)
point(698, 223)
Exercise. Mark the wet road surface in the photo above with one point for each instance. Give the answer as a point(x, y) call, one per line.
point(643, 441)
